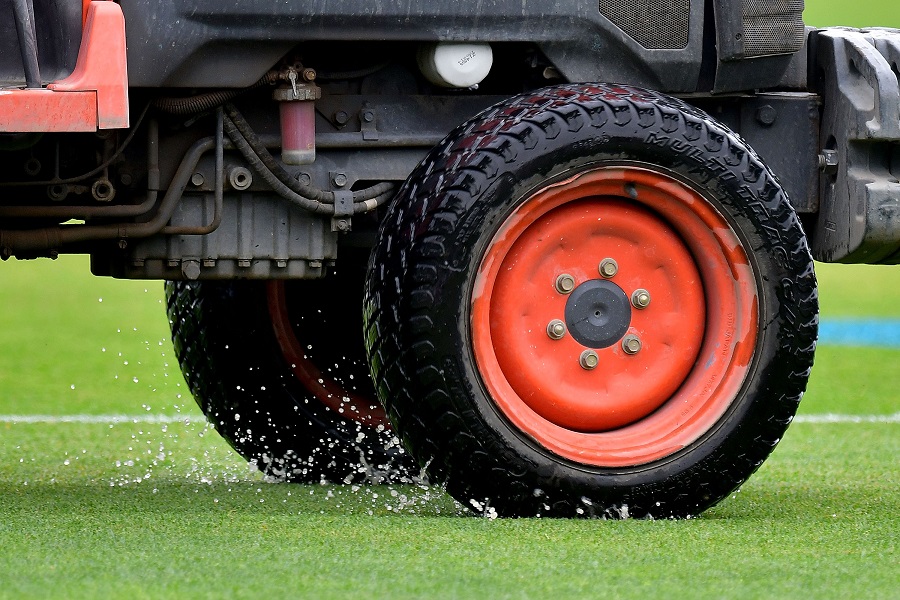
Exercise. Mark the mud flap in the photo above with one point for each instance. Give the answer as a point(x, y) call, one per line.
point(856, 73)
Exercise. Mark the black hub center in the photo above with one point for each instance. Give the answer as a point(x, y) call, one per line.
point(598, 313)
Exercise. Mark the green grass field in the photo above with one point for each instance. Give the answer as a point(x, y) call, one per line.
point(166, 509)
point(866, 13)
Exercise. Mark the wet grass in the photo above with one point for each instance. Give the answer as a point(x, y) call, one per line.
point(820, 519)
point(169, 510)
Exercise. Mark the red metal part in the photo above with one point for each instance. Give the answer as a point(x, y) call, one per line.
point(698, 333)
point(94, 96)
point(325, 389)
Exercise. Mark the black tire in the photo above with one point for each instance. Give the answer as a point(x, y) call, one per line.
point(236, 369)
point(424, 282)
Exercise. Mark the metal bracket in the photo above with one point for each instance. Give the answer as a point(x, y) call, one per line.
point(343, 211)
point(368, 124)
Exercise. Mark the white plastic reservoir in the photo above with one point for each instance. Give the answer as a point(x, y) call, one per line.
point(455, 65)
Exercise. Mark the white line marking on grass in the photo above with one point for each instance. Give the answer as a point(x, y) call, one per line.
point(101, 419)
point(833, 418)
point(140, 419)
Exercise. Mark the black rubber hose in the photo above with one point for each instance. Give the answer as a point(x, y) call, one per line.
point(27, 42)
point(373, 203)
point(269, 161)
point(275, 167)
point(204, 102)
point(376, 191)
point(257, 165)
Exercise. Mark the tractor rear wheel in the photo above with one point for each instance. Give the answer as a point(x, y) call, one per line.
point(279, 370)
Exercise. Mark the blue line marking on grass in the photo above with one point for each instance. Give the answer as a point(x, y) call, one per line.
point(883, 333)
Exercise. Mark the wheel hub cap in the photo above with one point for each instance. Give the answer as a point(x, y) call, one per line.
point(598, 313)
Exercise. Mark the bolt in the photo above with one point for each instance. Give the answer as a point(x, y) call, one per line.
point(309, 74)
point(32, 166)
point(640, 298)
point(828, 162)
point(58, 191)
point(102, 190)
point(588, 360)
point(341, 117)
point(304, 178)
point(609, 267)
point(556, 329)
point(191, 269)
point(339, 179)
point(565, 283)
point(240, 178)
point(197, 179)
point(766, 115)
point(368, 116)
point(631, 344)
point(125, 179)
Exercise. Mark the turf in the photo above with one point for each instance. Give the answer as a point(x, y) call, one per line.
point(74, 344)
point(92, 515)
point(169, 510)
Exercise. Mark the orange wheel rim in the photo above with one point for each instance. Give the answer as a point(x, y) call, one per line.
point(324, 388)
point(651, 353)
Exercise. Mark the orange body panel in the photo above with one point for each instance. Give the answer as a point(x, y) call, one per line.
point(94, 96)
point(46, 110)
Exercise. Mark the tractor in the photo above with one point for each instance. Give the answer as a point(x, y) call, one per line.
point(555, 257)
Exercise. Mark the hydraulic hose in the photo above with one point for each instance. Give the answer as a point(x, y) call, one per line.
point(204, 102)
point(269, 161)
point(274, 167)
point(274, 182)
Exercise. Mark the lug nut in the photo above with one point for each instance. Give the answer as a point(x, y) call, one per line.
point(631, 344)
point(588, 360)
point(609, 267)
point(556, 329)
point(565, 283)
point(640, 298)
